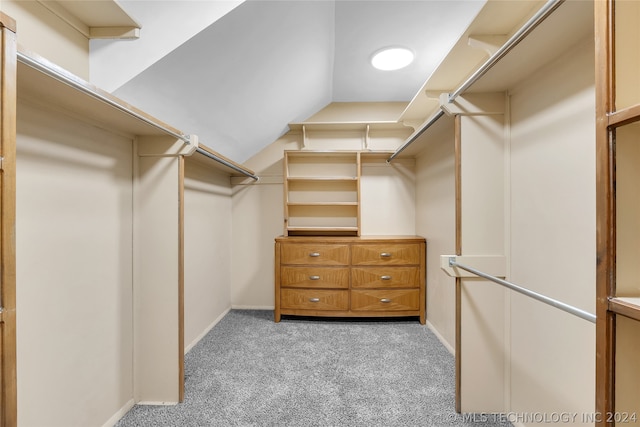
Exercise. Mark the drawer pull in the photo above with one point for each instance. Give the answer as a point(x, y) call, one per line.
point(314, 277)
point(314, 299)
point(385, 277)
point(385, 300)
point(385, 255)
point(314, 254)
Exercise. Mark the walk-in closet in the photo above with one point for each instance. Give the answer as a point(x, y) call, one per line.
point(496, 208)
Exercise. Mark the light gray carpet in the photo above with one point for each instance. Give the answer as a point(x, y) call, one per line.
point(250, 371)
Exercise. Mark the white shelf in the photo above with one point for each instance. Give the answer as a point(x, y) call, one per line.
point(347, 126)
point(95, 19)
point(322, 193)
point(42, 82)
point(565, 27)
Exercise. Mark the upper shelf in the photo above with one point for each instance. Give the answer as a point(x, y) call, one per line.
point(625, 116)
point(570, 23)
point(209, 157)
point(43, 82)
point(95, 19)
point(347, 126)
point(544, 34)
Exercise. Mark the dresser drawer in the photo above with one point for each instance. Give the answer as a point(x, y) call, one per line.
point(314, 299)
point(386, 254)
point(312, 254)
point(372, 276)
point(385, 300)
point(314, 277)
point(385, 277)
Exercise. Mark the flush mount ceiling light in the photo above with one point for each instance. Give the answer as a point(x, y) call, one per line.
point(392, 58)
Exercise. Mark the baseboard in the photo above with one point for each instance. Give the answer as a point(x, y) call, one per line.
point(145, 402)
point(252, 307)
point(206, 331)
point(441, 338)
point(121, 413)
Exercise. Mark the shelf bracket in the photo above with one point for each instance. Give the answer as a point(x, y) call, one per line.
point(488, 43)
point(366, 137)
point(166, 146)
point(304, 137)
point(474, 104)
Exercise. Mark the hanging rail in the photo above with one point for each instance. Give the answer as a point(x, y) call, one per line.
point(228, 164)
point(539, 297)
point(513, 41)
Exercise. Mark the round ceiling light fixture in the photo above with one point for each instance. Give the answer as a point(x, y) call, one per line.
point(392, 58)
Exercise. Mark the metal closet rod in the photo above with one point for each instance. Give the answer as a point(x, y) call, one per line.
point(513, 41)
point(539, 297)
point(80, 86)
point(227, 164)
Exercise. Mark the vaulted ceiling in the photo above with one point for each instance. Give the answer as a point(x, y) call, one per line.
point(240, 80)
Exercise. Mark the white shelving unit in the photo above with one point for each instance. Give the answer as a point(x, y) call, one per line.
point(322, 193)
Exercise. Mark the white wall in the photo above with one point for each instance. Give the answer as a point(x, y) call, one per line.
point(483, 324)
point(156, 272)
point(388, 197)
point(257, 221)
point(553, 234)
point(207, 258)
point(258, 218)
point(435, 219)
point(74, 271)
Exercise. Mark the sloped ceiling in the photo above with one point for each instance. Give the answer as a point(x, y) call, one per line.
point(240, 81)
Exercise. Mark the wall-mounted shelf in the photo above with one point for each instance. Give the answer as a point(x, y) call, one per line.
point(568, 25)
point(463, 58)
point(322, 193)
point(43, 82)
point(564, 25)
point(371, 135)
point(96, 19)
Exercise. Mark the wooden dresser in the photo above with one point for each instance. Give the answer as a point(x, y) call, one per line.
point(350, 276)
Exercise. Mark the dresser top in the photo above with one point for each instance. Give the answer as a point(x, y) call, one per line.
point(350, 239)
